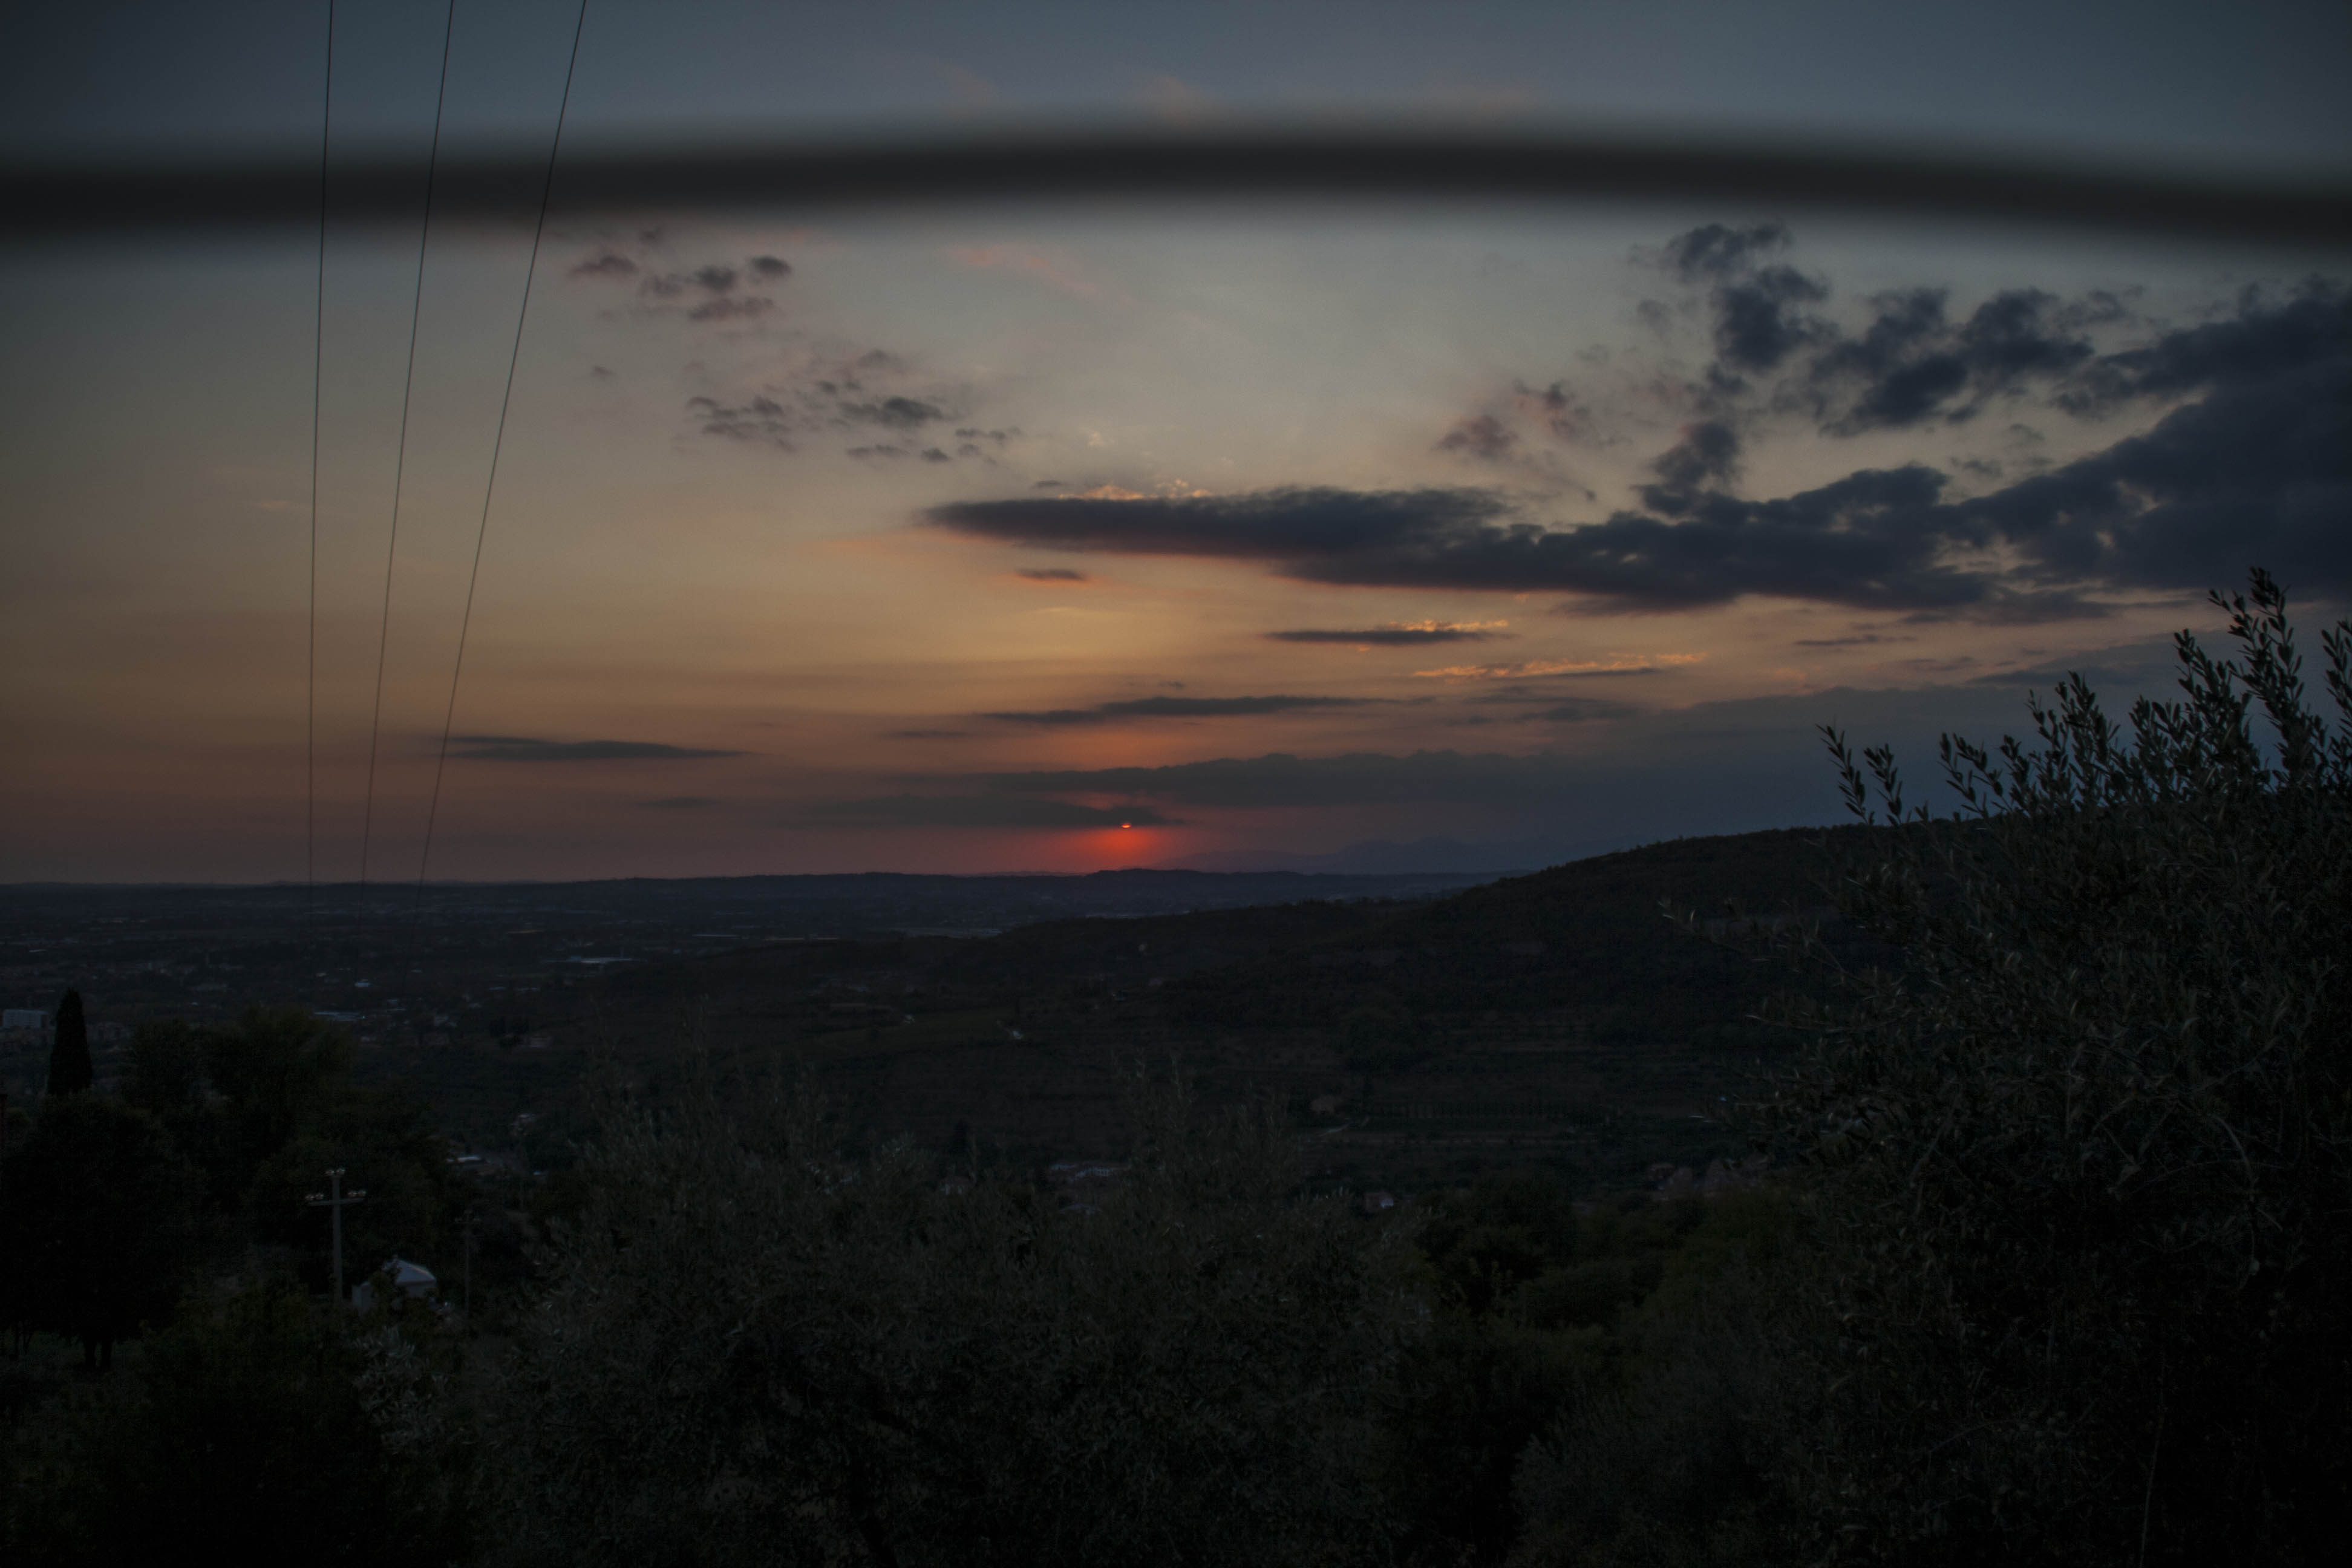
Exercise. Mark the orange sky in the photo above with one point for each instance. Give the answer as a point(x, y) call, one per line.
point(686, 576)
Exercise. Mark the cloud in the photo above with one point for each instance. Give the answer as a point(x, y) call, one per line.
point(1561, 669)
point(730, 309)
point(1418, 634)
point(893, 413)
point(1052, 574)
point(679, 803)
point(1716, 250)
point(1858, 540)
point(1758, 323)
point(1301, 523)
point(527, 749)
point(836, 394)
point(1581, 710)
point(976, 811)
point(608, 264)
point(1910, 365)
point(1282, 779)
point(770, 266)
point(928, 735)
point(2252, 468)
point(1707, 458)
point(759, 418)
point(2266, 337)
point(1479, 435)
point(1180, 708)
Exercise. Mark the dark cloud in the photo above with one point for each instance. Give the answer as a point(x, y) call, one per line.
point(1581, 710)
point(855, 397)
point(1858, 540)
point(611, 264)
point(717, 279)
point(1716, 250)
point(1391, 636)
point(976, 811)
point(1910, 365)
point(770, 266)
point(1758, 310)
point(1759, 322)
point(1561, 414)
point(928, 735)
point(760, 419)
point(730, 308)
point(1180, 708)
point(1265, 525)
point(1052, 574)
point(2264, 337)
point(527, 748)
point(893, 413)
point(1480, 435)
point(1706, 458)
point(1855, 640)
point(679, 803)
point(2256, 472)
point(1282, 779)
point(2255, 468)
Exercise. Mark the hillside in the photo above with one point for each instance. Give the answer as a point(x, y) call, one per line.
point(1555, 1017)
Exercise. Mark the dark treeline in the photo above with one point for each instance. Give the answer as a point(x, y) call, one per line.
point(2051, 1268)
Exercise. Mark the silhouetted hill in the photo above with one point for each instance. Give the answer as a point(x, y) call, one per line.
point(1558, 1015)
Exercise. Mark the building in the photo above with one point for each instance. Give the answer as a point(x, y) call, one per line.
point(412, 1280)
point(24, 1018)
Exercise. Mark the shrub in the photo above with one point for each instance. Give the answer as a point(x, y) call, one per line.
point(2083, 1155)
point(754, 1349)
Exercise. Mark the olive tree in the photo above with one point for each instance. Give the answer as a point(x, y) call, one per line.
point(2082, 1145)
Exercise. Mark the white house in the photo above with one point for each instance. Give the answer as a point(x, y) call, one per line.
point(412, 1280)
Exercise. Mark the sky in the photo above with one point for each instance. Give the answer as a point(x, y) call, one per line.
point(1440, 535)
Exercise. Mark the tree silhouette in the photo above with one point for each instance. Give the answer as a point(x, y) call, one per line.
point(69, 1071)
point(94, 1220)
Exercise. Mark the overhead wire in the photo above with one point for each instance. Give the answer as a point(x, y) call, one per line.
point(317, 397)
point(400, 458)
point(497, 445)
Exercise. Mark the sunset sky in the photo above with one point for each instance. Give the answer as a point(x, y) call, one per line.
point(1060, 538)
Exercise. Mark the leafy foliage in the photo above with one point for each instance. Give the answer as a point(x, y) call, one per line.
point(756, 1350)
point(94, 1223)
point(254, 1429)
point(2085, 1154)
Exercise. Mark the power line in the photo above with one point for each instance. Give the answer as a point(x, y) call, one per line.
point(400, 459)
point(317, 383)
point(498, 443)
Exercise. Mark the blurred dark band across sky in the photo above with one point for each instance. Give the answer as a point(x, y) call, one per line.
point(1127, 165)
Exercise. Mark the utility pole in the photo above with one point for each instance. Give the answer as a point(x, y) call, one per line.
point(335, 1205)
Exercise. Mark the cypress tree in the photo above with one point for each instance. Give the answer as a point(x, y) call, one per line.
point(70, 1070)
